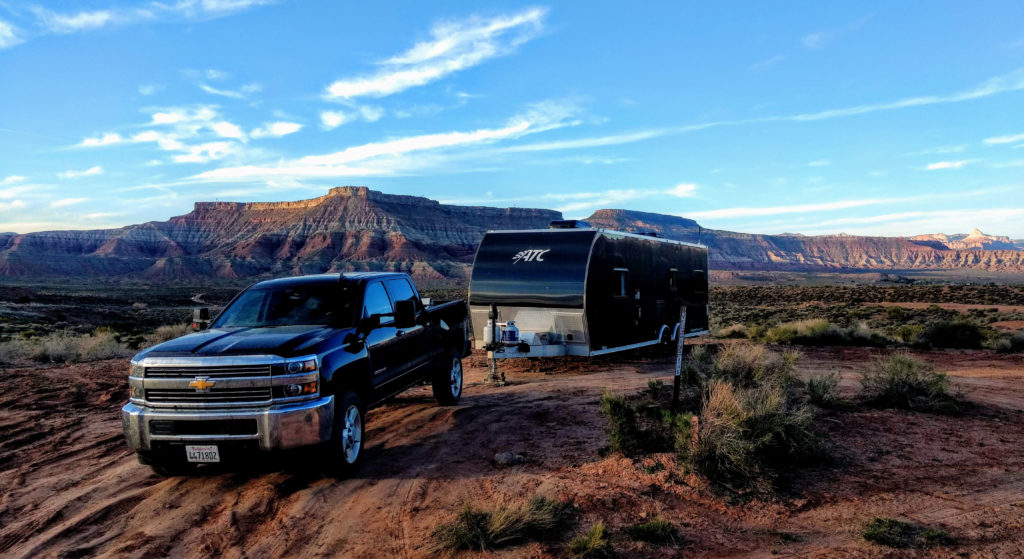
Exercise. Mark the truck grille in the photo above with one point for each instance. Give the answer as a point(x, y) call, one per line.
point(215, 395)
point(227, 371)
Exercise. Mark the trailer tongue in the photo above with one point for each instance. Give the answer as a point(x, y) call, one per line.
point(576, 290)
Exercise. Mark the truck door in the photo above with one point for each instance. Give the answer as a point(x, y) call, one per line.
point(382, 343)
point(417, 353)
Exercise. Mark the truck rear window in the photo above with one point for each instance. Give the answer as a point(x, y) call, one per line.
point(287, 306)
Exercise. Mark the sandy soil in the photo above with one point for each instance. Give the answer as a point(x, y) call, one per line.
point(70, 488)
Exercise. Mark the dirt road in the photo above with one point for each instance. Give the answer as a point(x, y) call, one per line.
point(70, 488)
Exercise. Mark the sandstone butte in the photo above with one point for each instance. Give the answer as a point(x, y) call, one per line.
point(355, 228)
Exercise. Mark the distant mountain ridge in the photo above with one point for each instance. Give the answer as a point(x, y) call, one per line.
point(355, 228)
point(975, 240)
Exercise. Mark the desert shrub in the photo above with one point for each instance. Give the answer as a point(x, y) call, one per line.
point(596, 543)
point(539, 519)
point(639, 426)
point(903, 381)
point(168, 332)
point(910, 334)
point(1010, 344)
point(654, 388)
point(656, 530)
point(823, 391)
point(738, 330)
point(745, 365)
point(891, 532)
point(821, 332)
point(745, 434)
point(64, 347)
point(953, 334)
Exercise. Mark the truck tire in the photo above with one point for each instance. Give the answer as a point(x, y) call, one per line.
point(447, 381)
point(347, 436)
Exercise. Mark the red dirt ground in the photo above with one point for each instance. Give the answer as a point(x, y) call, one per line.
point(70, 488)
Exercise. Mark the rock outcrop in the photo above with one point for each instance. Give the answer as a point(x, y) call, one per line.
point(355, 228)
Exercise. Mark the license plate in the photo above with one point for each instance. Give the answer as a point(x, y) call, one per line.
point(203, 453)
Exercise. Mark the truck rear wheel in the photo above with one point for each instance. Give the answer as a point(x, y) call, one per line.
point(447, 381)
point(348, 434)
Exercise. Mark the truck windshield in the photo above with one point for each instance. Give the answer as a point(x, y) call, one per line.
point(330, 304)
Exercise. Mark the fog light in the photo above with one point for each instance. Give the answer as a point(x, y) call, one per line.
point(292, 390)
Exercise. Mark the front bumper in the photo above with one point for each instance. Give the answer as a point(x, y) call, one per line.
point(278, 427)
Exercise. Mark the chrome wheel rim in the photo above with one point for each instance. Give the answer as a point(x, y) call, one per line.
point(352, 434)
point(456, 377)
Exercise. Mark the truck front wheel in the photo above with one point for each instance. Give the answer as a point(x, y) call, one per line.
point(348, 434)
point(447, 381)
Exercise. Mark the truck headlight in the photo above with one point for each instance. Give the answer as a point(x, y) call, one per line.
point(136, 369)
point(305, 366)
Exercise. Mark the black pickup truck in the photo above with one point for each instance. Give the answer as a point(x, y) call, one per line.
point(292, 362)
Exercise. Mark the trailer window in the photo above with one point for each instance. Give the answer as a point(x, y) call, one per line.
point(700, 281)
point(621, 276)
point(673, 278)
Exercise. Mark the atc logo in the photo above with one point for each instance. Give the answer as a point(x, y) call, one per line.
point(530, 255)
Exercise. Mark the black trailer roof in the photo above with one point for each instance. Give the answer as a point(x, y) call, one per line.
point(606, 232)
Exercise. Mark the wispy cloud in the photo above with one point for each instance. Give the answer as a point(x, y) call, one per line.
point(330, 120)
point(241, 93)
point(1009, 139)
point(51, 21)
point(67, 202)
point(727, 213)
point(149, 89)
point(12, 205)
point(819, 163)
point(939, 165)
point(767, 63)
point(9, 35)
point(683, 190)
point(110, 138)
point(13, 179)
point(820, 38)
point(71, 174)
point(276, 130)
point(388, 157)
point(454, 46)
point(815, 40)
point(939, 150)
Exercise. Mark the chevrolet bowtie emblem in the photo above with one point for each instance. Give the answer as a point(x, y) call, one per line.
point(201, 384)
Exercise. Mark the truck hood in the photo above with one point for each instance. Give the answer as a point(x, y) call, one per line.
point(285, 341)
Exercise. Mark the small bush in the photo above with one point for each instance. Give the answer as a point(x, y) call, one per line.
point(899, 534)
point(655, 530)
point(820, 332)
point(905, 382)
point(953, 334)
point(64, 347)
point(910, 334)
point(1010, 344)
point(738, 330)
point(595, 544)
point(540, 519)
point(747, 434)
point(746, 365)
point(823, 391)
point(640, 427)
point(168, 332)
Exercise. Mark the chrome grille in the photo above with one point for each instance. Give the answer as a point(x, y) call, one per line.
point(227, 371)
point(219, 395)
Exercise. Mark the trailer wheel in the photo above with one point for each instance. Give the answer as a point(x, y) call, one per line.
point(347, 436)
point(447, 381)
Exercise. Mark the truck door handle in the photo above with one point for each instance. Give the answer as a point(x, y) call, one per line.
point(400, 332)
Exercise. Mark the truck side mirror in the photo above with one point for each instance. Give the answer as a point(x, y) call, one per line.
point(405, 314)
point(200, 318)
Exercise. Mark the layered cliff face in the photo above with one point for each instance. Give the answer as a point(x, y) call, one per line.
point(975, 240)
point(743, 251)
point(350, 228)
point(354, 228)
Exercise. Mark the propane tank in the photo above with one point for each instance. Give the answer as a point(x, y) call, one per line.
point(489, 333)
point(510, 334)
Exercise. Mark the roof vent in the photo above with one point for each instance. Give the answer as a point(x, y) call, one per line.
point(568, 224)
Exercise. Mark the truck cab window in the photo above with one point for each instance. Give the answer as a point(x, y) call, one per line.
point(621, 281)
point(376, 302)
point(400, 290)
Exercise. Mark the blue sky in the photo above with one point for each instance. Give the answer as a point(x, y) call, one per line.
point(891, 118)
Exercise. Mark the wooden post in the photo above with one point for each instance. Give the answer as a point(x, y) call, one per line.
point(680, 339)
